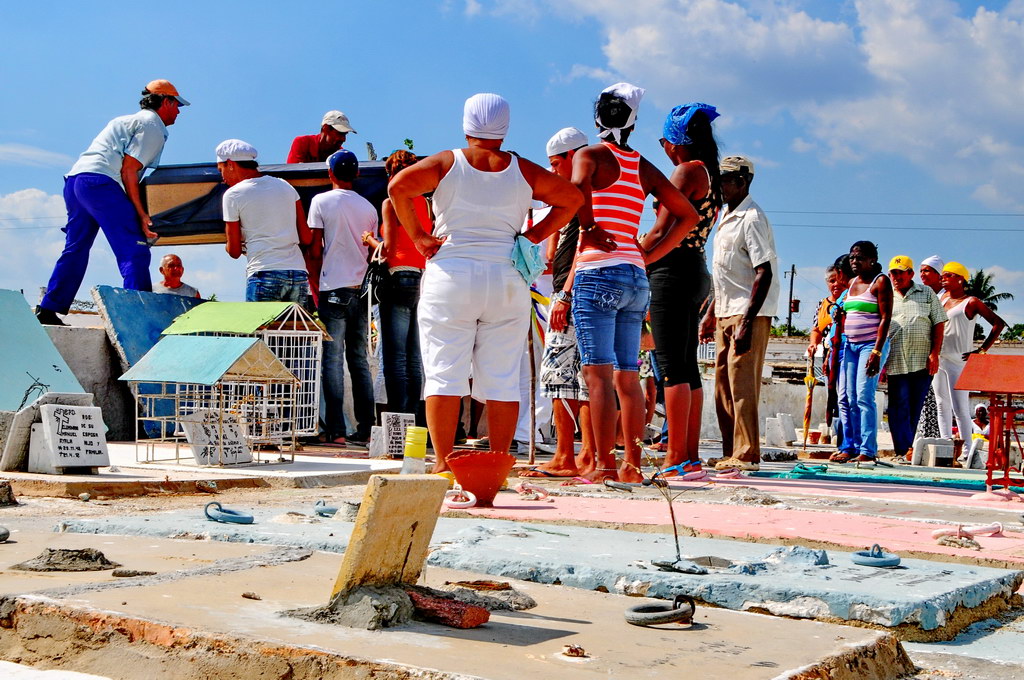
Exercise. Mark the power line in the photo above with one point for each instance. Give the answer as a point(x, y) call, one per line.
point(863, 227)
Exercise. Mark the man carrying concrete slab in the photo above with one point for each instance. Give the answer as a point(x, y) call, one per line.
point(334, 130)
point(915, 337)
point(264, 219)
point(101, 192)
point(745, 295)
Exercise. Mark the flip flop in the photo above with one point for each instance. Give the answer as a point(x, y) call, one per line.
point(542, 474)
point(847, 457)
point(682, 474)
point(450, 476)
point(578, 481)
point(334, 445)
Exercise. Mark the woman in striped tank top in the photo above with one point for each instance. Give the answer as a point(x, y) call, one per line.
point(610, 290)
point(865, 328)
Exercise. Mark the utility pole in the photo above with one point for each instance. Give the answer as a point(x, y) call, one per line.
point(789, 320)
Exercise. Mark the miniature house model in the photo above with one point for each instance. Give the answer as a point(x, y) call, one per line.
point(288, 330)
point(224, 396)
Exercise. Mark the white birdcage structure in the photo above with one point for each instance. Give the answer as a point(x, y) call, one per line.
point(226, 397)
point(288, 330)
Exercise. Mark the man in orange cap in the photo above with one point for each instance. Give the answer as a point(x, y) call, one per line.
point(101, 192)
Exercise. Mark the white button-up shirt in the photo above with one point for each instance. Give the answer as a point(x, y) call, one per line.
point(742, 242)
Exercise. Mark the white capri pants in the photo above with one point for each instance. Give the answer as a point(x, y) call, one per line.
point(950, 401)
point(473, 320)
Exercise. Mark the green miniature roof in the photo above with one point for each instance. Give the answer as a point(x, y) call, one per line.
point(242, 318)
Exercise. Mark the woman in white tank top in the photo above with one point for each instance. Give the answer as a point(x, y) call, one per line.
point(474, 308)
point(962, 311)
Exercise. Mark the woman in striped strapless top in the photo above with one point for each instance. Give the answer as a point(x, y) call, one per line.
point(610, 290)
point(865, 327)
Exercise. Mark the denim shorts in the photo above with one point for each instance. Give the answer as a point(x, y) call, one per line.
point(608, 309)
point(285, 285)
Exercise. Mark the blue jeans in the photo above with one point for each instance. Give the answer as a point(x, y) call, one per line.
point(608, 308)
point(96, 202)
point(343, 311)
point(400, 341)
point(284, 285)
point(857, 399)
point(906, 399)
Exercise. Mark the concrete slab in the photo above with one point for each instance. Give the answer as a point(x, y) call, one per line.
point(197, 625)
point(392, 531)
point(39, 368)
point(924, 600)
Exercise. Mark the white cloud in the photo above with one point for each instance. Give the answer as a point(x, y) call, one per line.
point(473, 8)
point(917, 79)
point(22, 154)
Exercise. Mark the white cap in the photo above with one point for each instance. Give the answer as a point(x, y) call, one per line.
point(566, 139)
point(235, 150)
point(338, 121)
point(933, 261)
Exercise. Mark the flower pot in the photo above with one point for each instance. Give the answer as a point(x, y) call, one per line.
point(481, 472)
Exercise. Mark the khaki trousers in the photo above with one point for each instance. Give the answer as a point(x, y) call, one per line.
point(738, 387)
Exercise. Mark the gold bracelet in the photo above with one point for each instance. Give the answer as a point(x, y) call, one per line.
point(876, 352)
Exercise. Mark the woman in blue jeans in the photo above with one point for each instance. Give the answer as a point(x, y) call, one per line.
point(610, 292)
point(864, 325)
point(400, 340)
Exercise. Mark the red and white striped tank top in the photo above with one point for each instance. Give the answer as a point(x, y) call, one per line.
point(617, 210)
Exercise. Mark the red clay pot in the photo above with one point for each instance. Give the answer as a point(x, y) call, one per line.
point(481, 472)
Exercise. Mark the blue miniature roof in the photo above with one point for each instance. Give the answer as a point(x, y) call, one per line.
point(204, 360)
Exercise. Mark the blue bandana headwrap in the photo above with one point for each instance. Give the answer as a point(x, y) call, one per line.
point(678, 118)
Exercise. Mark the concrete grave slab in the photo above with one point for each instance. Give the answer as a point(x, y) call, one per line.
point(33, 366)
point(392, 531)
point(924, 600)
point(193, 624)
point(134, 319)
point(15, 453)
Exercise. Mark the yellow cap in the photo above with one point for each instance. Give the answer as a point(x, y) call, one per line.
point(958, 269)
point(902, 263)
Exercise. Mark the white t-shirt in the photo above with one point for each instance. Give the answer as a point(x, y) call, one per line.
point(343, 215)
point(266, 208)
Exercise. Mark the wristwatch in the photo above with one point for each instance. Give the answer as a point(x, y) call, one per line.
point(562, 296)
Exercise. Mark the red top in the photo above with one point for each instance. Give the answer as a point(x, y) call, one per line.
point(617, 210)
point(405, 253)
point(306, 149)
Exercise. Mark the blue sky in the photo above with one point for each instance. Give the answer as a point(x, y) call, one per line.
point(896, 121)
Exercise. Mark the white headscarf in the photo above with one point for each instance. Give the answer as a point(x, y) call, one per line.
point(632, 95)
point(486, 116)
point(935, 262)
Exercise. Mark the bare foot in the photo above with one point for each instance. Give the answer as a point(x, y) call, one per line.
point(549, 470)
point(598, 475)
point(585, 461)
point(628, 473)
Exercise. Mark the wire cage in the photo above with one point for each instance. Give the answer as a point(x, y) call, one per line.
point(225, 397)
point(290, 332)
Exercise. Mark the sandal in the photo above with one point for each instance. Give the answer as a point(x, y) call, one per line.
point(690, 471)
point(840, 457)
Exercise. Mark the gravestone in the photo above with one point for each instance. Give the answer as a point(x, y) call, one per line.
point(392, 532)
point(788, 426)
point(68, 439)
point(773, 433)
point(215, 439)
point(19, 430)
point(394, 432)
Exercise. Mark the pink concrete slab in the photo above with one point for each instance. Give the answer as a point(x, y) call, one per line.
point(894, 492)
point(758, 522)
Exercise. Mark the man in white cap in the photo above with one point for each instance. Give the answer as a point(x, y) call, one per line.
point(317, 148)
point(560, 370)
point(744, 300)
point(264, 219)
point(101, 192)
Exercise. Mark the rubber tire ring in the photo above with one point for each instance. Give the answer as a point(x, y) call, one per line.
point(321, 508)
point(656, 614)
point(226, 516)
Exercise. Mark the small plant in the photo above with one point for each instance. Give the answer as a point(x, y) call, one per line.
point(408, 143)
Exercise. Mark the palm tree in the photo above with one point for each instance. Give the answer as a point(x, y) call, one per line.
point(980, 286)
